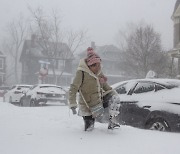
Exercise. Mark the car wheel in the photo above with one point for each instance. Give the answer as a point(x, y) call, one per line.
point(10, 99)
point(33, 103)
point(21, 102)
point(4, 99)
point(158, 124)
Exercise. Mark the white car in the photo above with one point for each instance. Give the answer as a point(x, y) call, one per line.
point(15, 93)
point(150, 103)
point(42, 93)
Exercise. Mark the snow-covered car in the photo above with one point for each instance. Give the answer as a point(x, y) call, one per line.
point(150, 103)
point(14, 94)
point(42, 93)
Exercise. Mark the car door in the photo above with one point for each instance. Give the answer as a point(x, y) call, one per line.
point(127, 105)
point(9, 94)
point(15, 93)
point(133, 113)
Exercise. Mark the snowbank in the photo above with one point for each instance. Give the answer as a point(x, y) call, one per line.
point(53, 129)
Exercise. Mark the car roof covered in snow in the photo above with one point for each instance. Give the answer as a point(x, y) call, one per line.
point(166, 82)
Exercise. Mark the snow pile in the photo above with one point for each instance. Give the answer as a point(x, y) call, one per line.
point(53, 129)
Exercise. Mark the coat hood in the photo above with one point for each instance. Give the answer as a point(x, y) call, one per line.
point(83, 67)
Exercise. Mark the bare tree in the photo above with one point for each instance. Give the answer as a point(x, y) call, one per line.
point(123, 34)
point(76, 39)
point(48, 29)
point(143, 52)
point(51, 32)
point(12, 44)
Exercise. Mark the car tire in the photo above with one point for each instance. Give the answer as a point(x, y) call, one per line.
point(10, 99)
point(4, 99)
point(158, 124)
point(21, 102)
point(33, 103)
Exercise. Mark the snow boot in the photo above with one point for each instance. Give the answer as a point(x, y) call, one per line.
point(112, 123)
point(88, 123)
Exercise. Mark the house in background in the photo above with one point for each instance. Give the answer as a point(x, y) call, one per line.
point(175, 52)
point(34, 57)
point(111, 63)
point(2, 68)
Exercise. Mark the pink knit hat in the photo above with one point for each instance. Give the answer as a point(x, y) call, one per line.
point(92, 57)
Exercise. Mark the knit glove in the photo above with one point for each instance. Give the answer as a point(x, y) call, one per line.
point(114, 106)
point(74, 110)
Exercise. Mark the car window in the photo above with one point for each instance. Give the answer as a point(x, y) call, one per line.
point(18, 88)
point(122, 89)
point(12, 87)
point(172, 85)
point(159, 87)
point(143, 87)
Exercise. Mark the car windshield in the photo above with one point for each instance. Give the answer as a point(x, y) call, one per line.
point(52, 88)
point(121, 89)
point(124, 87)
point(33, 87)
point(23, 87)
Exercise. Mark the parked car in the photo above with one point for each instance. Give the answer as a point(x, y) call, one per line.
point(42, 93)
point(150, 103)
point(14, 94)
point(3, 90)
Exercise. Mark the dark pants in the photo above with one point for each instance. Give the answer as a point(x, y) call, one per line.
point(105, 117)
point(88, 118)
point(106, 99)
point(88, 122)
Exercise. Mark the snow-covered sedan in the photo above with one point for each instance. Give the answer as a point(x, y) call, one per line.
point(150, 103)
point(42, 93)
point(14, 94)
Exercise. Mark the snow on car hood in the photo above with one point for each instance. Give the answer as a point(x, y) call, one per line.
point(166, 99)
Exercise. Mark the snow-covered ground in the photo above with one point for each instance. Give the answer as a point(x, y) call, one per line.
point(53, 129)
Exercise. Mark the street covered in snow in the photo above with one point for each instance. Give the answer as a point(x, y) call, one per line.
point(53, 129)
point(53, 51)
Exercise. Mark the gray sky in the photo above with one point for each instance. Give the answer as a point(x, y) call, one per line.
point(102, 18)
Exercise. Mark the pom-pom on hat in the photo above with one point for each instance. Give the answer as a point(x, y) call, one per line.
point(92, 57)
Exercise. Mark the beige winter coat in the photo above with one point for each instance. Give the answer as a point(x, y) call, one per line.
point(92, 90)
